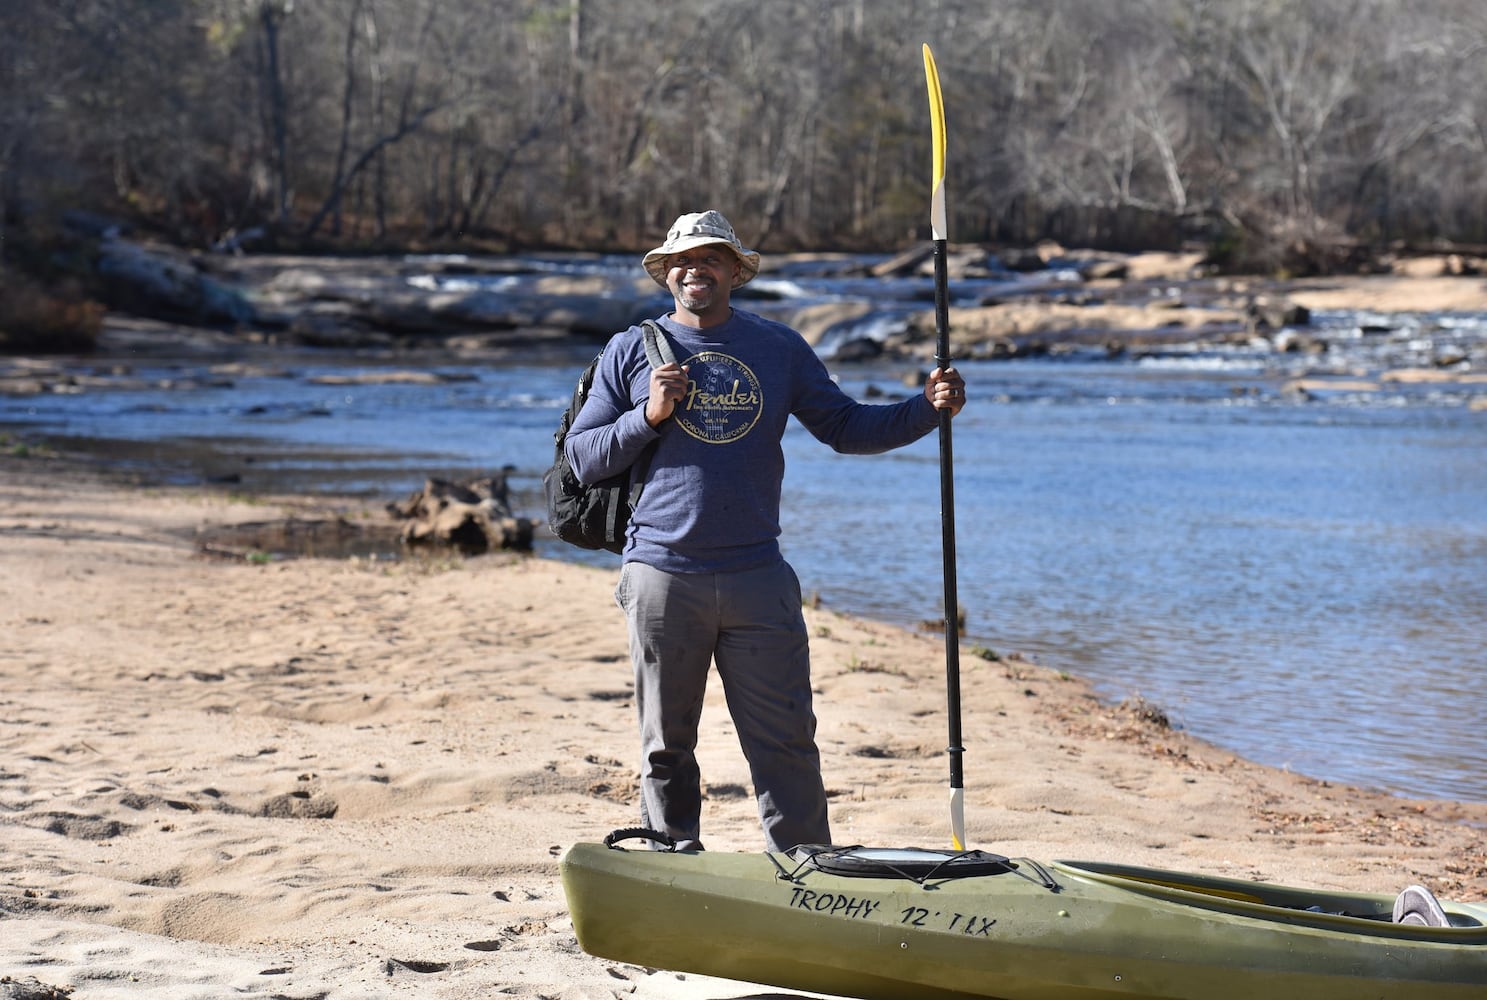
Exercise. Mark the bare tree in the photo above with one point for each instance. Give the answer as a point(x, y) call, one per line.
point(275, 102)
point(419, 101)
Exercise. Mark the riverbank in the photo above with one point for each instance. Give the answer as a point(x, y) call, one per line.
point(350, 778)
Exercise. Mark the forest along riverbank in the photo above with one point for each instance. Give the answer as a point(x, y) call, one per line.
point(1283, 548)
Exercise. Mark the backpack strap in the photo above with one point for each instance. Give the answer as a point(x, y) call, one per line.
point(658, 351)
point(657, 345)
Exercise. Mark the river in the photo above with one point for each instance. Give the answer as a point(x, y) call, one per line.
point(1300, 578)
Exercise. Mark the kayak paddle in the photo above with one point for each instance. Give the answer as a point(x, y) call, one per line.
point(947, 483)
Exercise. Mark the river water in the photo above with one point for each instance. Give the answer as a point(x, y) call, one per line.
point(1302, 580)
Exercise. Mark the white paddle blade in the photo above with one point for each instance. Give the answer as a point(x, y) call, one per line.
point(958, 818)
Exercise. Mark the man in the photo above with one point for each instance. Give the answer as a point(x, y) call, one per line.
point(703, 579)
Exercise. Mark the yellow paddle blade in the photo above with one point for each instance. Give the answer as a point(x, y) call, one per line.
point(937, 126)
point(958, 818)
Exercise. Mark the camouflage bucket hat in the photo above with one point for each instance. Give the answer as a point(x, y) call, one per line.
point(699, 229)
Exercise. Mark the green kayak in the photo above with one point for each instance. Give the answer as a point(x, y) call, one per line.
point(911, 923)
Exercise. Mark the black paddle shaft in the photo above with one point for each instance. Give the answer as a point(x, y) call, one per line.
point(947, 525)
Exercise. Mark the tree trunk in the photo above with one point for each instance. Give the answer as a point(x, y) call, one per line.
point(348, 98)
point(270, 13)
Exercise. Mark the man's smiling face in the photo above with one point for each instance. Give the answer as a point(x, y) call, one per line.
point(701, 281)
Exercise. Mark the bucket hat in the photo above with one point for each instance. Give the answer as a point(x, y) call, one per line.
point(698, 229)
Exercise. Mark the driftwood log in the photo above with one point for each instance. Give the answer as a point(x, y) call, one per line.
point(473, 517)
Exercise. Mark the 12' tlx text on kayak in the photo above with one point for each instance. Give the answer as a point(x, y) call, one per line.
point(858, 908)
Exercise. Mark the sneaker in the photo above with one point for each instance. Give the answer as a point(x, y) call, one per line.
point(1417, 906)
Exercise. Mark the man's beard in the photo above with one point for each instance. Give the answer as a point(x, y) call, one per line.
point(698, 297)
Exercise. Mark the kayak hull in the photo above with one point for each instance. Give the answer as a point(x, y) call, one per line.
point(1068, 930)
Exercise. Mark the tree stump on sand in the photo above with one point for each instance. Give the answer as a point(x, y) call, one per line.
point(473, 517)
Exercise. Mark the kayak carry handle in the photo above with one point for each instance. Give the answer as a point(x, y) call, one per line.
point(639, 833)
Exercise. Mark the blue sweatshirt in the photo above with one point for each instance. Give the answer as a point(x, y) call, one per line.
point(711, 498)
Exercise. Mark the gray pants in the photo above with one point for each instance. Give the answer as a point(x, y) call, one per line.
point(750, 623)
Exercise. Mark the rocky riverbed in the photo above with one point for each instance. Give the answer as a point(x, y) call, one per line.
point(247, 309)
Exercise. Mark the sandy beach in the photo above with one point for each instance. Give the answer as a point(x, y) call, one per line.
point(341, 778)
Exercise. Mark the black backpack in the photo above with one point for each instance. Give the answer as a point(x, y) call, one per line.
point(595, 517)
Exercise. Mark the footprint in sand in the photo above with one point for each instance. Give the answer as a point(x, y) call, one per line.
point(298, 805)
point(398, 966)
point(84, 827)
